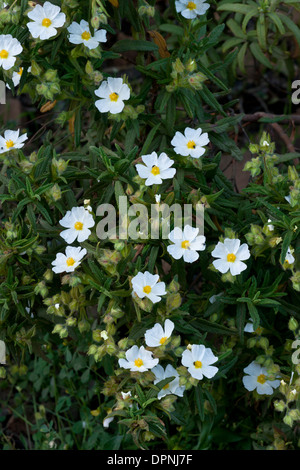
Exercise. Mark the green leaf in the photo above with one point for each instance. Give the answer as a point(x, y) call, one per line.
point(236, 29)
point(199, 401)
point(254, 315)
point(233, 7)
point(291, 26)
point(259, 55)
point(277, 21)
point(248, 17)
point(261, 31)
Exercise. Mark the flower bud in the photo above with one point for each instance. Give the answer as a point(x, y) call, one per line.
point(293, 324)
point(279, 405)
point(84, 325)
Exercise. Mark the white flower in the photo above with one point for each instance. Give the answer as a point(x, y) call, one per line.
point(78, 221)
point(230, 255)
point(172, 388)
point(190, 10)
point(126, 396)
point(186, 243)
point(214, 298)
point(249, 328)
point(104, 335)
point(289, 258)
point(80, 34)
point(112, 93)
point(157, 198)
point(138, 359)
point(107, 421)
point(198, 360)
point(9, 48)
point(12, 140)
point(288, 198)
point(257, 379)
point(147, 285)
point(156, 169)
point(270, 226)
point(16, 77)
point(190, 143)
point(46, 19)
point(158, 335)
point(68, 262)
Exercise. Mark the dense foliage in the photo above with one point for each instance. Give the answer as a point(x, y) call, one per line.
point(228, 71)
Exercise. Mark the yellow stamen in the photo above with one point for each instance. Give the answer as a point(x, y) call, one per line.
point(191, 144)
point(138, 362)
point(198, 364)
point(114, 97)
point(20, 71)
point(78, 226)
point(46, 22)
point(185, 244)
point(231, 258)
point(70, 261)
point(3, 54)
point(86, 36)
point(191, 5)
point(155, 170)
point(261, 379)
point(147, 289)
point(163, 340)
point(166, 386)
point(9, 144)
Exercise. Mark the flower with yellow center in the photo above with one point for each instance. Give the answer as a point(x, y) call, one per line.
point(113, 92)
point(191, 9)
point(191, 5)
point(45, 20)
point(9, 48)
point(4, 54)
point(12, 140)
point(78, 226)
point(257, 379)
point(198, 360)
point(86, 35)
point(114, 97)
point(138, 362)
point(9, 144)
point(138, 359)
point(78, 222)
point(68, 261)
point(190, 143)
point(80, 34)
point(158, 335)
point(156, 168)
point(16, 76)
point(171, 388)
point(147, 285)
point(231, 258)
point(186, 243)
point(231, 255)
point(261, 378)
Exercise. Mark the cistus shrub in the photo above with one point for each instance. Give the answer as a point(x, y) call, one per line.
point(123, 323)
